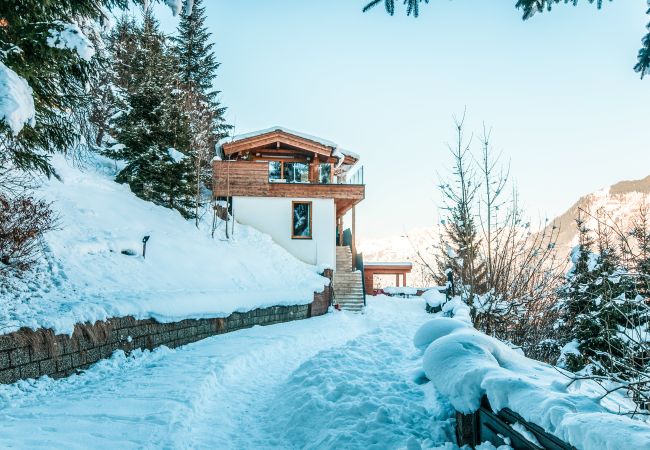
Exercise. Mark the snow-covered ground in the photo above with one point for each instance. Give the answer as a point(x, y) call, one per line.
point(93, 268)
point(336, 381)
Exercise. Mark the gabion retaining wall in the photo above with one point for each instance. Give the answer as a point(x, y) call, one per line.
point(32, 354)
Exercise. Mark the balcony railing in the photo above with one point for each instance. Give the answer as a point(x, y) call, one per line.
point(356, 177)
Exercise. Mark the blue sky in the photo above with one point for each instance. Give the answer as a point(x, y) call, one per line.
point(558, 91)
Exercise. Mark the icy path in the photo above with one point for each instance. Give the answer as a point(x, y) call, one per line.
point(338, 381)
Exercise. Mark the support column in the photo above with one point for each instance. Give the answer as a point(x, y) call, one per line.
point(397, 279)
point(404, 279)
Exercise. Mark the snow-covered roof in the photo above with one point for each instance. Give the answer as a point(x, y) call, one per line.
point(337, 152)
point(310, 137)
point(349, 153)
point(400, 264)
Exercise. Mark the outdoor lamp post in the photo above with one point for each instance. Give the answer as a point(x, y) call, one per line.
point(144, 246)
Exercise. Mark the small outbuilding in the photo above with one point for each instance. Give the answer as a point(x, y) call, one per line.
point(370, 269)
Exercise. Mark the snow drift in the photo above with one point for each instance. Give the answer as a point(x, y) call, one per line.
point(464, 365)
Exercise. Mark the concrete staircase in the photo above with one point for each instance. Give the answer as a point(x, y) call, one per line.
point(347, 284)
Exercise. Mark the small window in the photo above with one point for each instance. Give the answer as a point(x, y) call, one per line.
point(301, 220)
point(275, 170)
point(325, 173)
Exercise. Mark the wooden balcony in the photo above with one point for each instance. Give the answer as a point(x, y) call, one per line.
point(251, 179)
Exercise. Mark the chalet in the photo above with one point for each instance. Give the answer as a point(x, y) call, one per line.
point(297, 188)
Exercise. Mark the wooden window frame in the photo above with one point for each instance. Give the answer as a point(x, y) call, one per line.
point(311, 214)
point(331, 166)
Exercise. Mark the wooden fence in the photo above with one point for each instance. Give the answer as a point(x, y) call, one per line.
point(497, 428)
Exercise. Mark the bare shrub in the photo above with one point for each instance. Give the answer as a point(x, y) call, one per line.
point(23, 221)
point(505, 271)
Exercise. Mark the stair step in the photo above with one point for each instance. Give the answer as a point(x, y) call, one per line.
point(347, 283)
point(343, 308)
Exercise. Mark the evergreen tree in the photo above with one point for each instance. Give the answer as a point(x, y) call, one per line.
point(105, 96)
point(57, 75)
point(641, 233)
point(600, 303)
point(151, 132)
point(197, 70)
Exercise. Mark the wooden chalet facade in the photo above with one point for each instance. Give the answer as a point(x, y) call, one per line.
point(293, 186)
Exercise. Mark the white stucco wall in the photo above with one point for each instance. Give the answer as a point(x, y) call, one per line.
point(272, 215)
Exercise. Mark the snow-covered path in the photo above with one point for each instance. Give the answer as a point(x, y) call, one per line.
point(337, 381)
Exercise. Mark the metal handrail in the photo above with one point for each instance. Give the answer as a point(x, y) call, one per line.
point(359, 266)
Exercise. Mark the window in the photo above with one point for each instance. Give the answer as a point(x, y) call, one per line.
point(275, 170)
point(296, 172)
point(301, 220)
point(325, 173)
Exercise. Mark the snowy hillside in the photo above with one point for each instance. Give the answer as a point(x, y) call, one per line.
point(93, 268)
point(620, 202)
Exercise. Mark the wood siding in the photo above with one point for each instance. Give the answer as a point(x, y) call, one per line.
point(251, 179)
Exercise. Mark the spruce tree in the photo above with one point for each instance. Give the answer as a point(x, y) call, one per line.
point(197, 70)
point(574, 295)
point(152, 132)
point(600, 304)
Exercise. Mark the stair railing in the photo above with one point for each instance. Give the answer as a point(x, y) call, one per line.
point(358, 263)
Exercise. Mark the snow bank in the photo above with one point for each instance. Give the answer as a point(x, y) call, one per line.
point(458, 309)
point(435, 329)
point(434, 297)
point(464, 364)
point(72, 38)
point(93, 268)
point(16, 100)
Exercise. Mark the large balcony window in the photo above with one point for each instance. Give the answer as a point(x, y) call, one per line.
point(299, 172)
point(288, 172)
point(296, 172)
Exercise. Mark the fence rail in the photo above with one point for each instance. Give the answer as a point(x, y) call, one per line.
point(486, 425)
